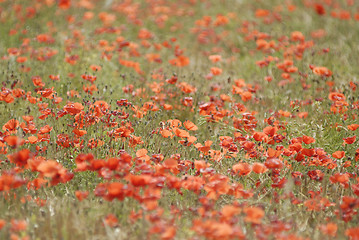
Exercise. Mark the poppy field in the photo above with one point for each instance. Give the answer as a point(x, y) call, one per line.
point(188, 119)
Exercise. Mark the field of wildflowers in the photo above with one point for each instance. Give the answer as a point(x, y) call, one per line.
point(187, 119)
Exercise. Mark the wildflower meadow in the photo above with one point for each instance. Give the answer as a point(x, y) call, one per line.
point(179, 119)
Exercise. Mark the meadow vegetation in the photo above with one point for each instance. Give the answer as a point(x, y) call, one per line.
point(188, 119)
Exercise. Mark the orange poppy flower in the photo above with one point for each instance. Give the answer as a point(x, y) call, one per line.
point(21, 59)
point(297, 36)
point(259, 168)
point(14, 141)
point(2, 223)
point(308, 140)
point(335, 96)
point(322, 71)
point(111, 220)
point(180, 133)
point(116, 190)
point(353, 127)
point(352, 233)
point(166, 133)
point(303, 114)
point(131, 64)
point(349, 140)
point(180, 61)
point(11, 126)
point(319, 8)
point(20, 158)
point(242, 169)
point(186, 87)
point(215, 58)
point(338, 154)
point(95, 67)
point(169, 233)
point(246, 96)
point(190, 125)
point(45, 129)
point(64, 4)
point(172, 80)
point(32, 139)
point(142, 155)
point(73, 108)
point(253, 215)
point(260, 13)
point(340, 178)
point(81, 195)
point(138, 180)
point(79, 132)
point(259, 136)
point(273, 163)
point(205, 149)
point(18, 225)
point(216, 71)
point(49, 168)
point(201, 164)
point(316, 175)
point(170, 163)
point(270, 130)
